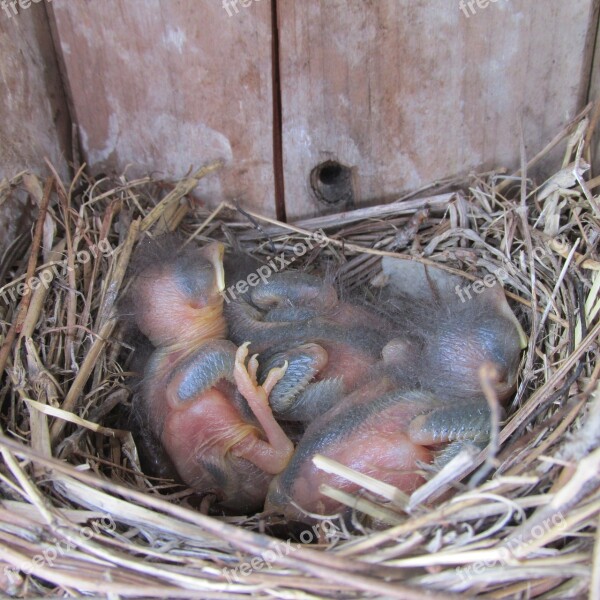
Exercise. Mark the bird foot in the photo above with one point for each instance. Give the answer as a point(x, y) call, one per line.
point(246, 381)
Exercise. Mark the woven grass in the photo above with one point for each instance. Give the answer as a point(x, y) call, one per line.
point(79, 517)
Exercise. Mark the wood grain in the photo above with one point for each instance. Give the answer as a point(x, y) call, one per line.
point(409, 93)
point(169, 85)
point(594, 96)
point(35, 122)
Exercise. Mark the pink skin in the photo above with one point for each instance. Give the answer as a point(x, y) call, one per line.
point(195, 380)
point(363, 432)
point(273, 455)
point(388, 456)
point(208, 431)
point(345, 360)
point(294, 309)
point(168, 313)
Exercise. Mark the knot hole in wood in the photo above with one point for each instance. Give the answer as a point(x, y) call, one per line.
point(332, 183)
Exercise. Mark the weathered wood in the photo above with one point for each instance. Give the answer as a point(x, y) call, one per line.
point(411, 92)
point(167, 86)
point(595, 97)
point(35, 122)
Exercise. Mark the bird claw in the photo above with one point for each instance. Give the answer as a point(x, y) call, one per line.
point(274, 376)
point(253, 368)
point(280, 448)
point(245, 377)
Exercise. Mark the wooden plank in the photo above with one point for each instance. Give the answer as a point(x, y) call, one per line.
point(167, 85)
point(35, 122)
point(595, 97)
point(407, 93)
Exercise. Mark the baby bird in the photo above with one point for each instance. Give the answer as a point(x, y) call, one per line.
point(176, 296)
point(329, 344)
point(366, 431)
point(199, 399)
point(452, 340)
point(424, 394)
point(215, 423)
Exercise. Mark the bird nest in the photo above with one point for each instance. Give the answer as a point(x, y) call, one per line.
point(79, 516)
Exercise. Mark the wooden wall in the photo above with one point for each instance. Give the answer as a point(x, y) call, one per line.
point(35, 121)
point(594, 94)
point(168, 85)
point(401, 93)
point(409, 92)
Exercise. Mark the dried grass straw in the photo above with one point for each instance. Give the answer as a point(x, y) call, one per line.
point(78, 516)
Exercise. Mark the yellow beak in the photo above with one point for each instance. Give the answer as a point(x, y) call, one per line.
point(215, 252)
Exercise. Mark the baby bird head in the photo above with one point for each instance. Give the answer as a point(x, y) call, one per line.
point(176, 297)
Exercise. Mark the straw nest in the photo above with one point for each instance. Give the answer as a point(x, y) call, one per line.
point(78, 515)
